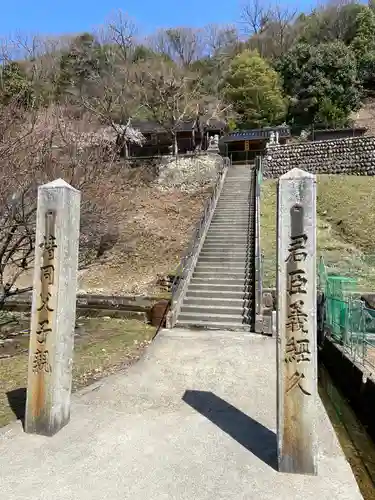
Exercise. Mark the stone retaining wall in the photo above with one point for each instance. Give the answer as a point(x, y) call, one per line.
point(351, 156)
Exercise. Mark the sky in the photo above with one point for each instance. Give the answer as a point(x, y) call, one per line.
point(55, 17)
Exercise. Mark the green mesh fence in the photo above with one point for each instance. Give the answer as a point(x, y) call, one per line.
point(347, 319)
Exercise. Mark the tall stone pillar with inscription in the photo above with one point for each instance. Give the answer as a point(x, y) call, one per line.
point(296, 323)
point(53, 308)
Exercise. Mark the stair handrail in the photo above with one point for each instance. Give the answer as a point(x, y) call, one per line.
point(187, 264)
point(258, 285)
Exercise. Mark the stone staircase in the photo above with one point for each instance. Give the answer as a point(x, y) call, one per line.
point(220, 294)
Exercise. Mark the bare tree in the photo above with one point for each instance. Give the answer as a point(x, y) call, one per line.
point(37, 146)
point(255, 16)
point(270, 27)
point(219, 38)
point(173, 96)
point(170, 94)
point(279, 29)
point(119, 33)
point(114, 100)
point(181, 45)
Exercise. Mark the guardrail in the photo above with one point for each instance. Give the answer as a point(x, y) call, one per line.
point(190, 257)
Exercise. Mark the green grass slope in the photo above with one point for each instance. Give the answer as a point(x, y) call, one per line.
point(345, 227)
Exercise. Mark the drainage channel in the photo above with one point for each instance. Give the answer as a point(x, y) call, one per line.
point(354, 440)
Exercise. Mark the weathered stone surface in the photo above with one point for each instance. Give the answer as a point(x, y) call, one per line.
point(350, 156)
point(53, 308)
point(189, 173)
point(296, 323)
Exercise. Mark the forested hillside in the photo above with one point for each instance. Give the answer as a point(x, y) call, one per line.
point(65, 100)
point(276, 65)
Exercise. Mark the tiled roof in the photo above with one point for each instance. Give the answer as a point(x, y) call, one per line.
point(257, 133)
point(151, 127)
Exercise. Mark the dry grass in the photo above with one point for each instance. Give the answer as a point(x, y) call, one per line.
point(154, 230)
point(346, 224)
point(107, 345)
point(147, 230)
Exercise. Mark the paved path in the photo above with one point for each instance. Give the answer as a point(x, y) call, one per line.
point(194, 420)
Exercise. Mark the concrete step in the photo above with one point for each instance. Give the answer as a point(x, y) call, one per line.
point(227, 243)
point(199, 286)
point(214, 275)
point(237, 179)
point(226, 235)
point(237, 218)
point(230, 212)
point(214, 258)
point(231, 232)
point(212, 310)
point(232, 223)
point(234, 206)
point(222, 259)
point(224, 283)
point(227, 226)
point(211, 318)
point(242, 190)
point(215, 302)
point(233, 203)
point(242, 187)
point(244, 210)
point(218, 297)
point(226, 239)
point(231, 235)
point(236, 197)
point(224, 267)
point(232, 209)
point(239, 214)
point(227, 247)
point(200, 293)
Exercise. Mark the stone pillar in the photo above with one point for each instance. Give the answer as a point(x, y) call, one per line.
point(53, 308)
point(296, 323)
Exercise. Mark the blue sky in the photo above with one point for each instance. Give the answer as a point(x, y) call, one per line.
point(51, 17)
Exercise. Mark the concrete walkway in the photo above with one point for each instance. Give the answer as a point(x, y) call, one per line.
point(194, 419)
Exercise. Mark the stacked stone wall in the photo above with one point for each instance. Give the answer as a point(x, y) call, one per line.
point(349, 156)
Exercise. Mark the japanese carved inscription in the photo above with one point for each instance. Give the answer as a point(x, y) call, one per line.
point(297, 343)
point(45, 308)
point(296, 323)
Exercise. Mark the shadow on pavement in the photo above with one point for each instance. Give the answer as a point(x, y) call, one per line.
point(17, 402)
point(244, 429)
